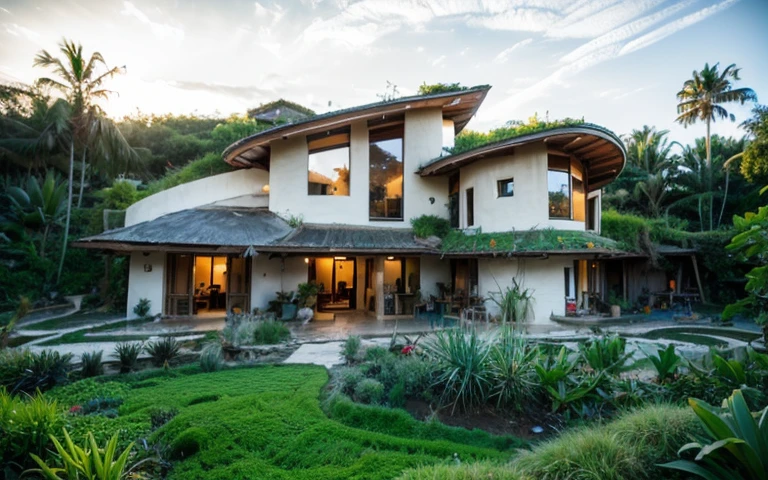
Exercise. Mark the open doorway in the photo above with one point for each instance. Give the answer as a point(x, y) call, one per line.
point(207, 285)
point(337, 277)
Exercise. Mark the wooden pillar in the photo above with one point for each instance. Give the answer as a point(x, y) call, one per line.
point(698, 279)
point(378, 281)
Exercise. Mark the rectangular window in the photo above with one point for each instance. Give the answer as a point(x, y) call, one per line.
point(559, 187)
point(579, 199)
point(454, 190)
point(386, 175)
point(506, 187)
point(470, 207)
point(328, 169)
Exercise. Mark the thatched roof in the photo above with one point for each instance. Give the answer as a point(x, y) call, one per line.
point(225, 228)
point(310, 238)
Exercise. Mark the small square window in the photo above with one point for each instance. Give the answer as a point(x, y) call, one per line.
point(506, 187)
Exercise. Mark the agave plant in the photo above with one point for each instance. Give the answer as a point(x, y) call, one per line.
point(163, 351)
point(91, 364)
point(128, 354)
point(739, 448)
point(88, 461)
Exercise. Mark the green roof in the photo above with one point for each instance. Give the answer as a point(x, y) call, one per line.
point(527, 242)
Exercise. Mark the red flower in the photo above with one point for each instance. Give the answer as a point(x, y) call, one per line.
point(407, 350)
point(75, 410)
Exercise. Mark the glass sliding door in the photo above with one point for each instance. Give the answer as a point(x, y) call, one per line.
point(239, 284)
point(179, 284)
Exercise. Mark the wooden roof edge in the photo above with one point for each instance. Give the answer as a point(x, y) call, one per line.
point(332, 119)
point(488, 150)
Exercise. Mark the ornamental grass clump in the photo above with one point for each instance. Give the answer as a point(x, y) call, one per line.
point(350, 349)
point(26, 422)
point(461, 364)
point(211, 359)
point(511, 366)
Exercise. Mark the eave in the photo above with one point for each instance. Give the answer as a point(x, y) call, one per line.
point(254, 151)
point(600, 151)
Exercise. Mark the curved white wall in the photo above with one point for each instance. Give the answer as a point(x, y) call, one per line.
point(423, 142)
point(238, 188)
point(527, 209)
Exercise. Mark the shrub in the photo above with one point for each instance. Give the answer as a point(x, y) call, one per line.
point(270, 332)
point(348, 379)
point(739, 442)
point(430, 225)
point(211, 359)
point(350, 349)
point(163, 351)
point(414, 373)
point(188, 443)
point(160, 416)
point(128, 355)
point(369, 391)
point(462, 367)
point(515, 303)
point(465, 471)
point(376, 354)
point(81, 392)
point(142, 308)
point(91, 364)
point(24, 371)
point(397, 395)
point(251, 329)
point(665, 362)
point(25, 426)
point(88, 458)
point(604, 353)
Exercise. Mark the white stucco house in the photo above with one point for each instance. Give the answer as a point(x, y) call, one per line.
point(330, 198)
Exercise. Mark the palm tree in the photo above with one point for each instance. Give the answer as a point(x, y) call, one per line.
point(82, 87)
point(701, 98)
point(648, 151)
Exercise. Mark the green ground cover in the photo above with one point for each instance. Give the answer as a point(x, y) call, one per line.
point(78, 319)
point(524, 241)
point(267, 422)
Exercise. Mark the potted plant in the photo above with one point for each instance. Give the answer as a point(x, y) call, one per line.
point(307, 299)
point(285, 301)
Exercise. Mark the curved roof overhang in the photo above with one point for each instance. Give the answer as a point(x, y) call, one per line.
point(600, 151)
point(459, 106)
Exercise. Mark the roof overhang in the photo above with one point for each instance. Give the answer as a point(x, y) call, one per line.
point(600, 151)
point(459, 106)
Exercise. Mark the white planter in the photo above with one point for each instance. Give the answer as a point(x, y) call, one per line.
point(305, 314)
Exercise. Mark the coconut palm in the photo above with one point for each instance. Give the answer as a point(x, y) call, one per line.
point(649, 152)
point(701, 99)
point(82, 86)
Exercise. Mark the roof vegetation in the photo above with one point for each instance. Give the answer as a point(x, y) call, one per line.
point(425, 89)
point(281, 103)
point(545, 240)
point(470, 139)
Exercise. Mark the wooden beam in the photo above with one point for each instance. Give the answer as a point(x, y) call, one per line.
point(698, 278)
point(591, 146)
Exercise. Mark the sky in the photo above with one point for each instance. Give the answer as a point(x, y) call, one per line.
point(617, 63)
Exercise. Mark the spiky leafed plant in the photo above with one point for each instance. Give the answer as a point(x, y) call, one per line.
point(701, 99)
point(82, 86)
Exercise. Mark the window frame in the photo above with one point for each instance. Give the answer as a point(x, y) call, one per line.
point(347, 143)
point(396, 132)
point(570, 185)
point(501, 192)
point(469, 193)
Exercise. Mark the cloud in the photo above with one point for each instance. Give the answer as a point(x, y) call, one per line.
point(503, 56)
point(160, 30)
point(271, 15)
point(245, 92)
point(625, 32)
point(599, 21)
point(673, 27)
point(518, 20)
point(19, 31)
point(438, 61)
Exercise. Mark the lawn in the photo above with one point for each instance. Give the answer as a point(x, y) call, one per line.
point(78, 319)
point(267, 422)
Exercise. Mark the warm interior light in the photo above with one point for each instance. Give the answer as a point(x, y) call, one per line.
point(339, 258)
point(306, 260)
point(265, 188)
point(390, 258)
